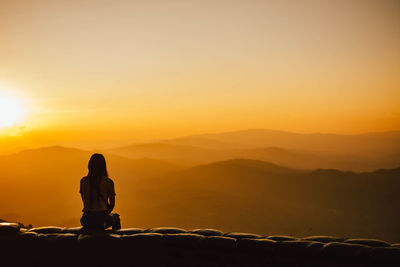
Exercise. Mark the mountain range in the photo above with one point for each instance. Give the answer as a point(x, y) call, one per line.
point(363, 152)
point(40, 187)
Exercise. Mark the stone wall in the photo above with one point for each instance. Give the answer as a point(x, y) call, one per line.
point(168, 246)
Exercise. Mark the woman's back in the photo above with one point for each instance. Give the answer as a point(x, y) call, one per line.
point(95, 194)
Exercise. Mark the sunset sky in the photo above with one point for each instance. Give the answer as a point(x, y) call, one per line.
point(81, 71)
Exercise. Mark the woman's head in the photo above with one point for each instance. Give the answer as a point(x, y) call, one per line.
point(97, 166)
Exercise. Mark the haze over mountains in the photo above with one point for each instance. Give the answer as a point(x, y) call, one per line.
point(234, 185)
point(364, 152)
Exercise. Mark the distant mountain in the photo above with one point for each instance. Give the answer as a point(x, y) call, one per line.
point(203, 142)
point(261, 197)
point(182, 154)
point(364, 152)
point(312, 160)
point(368, 143)
point(54, 156)
point(247, 165)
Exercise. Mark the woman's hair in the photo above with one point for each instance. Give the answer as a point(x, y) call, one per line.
point(97, 169)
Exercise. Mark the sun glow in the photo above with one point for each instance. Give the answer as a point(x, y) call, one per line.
point(11, 110)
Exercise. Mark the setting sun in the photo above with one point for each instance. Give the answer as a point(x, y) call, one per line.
point(11, 110)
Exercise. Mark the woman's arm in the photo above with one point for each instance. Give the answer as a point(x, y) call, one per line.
point(111, 195)
point(112, 204)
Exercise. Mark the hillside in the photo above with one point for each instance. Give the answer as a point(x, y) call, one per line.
point(246, 195)
point(231, 195)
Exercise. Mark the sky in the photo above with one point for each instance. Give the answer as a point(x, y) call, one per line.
point(104, 72)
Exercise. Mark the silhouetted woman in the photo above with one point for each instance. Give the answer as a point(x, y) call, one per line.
point(98, 196)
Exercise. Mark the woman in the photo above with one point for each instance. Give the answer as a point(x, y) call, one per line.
point(98, 196)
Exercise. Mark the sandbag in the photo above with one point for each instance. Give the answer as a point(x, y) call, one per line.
point(222, 242)
point(385, 256)
point(344, 251)
point(294, 247)
point(324, 238)
point(72, 230)
point(100, 239)
point(207, 232)
point(368, 242)
point(143, 239)
point(183, 240)
point(166, 230)
point(241, 235)
point(256, 244)
point(7, 228)
point(128, 231)
point(282, 238)
point(27, 240)
point(64, 239)
point(47, 230)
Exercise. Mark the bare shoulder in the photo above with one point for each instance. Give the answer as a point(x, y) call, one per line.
point(109, 180)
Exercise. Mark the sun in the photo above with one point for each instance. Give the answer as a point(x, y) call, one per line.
point(11, 110)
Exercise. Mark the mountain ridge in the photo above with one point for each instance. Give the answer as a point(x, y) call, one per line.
point(229, 195)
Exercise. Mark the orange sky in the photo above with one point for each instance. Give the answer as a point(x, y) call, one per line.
point(125, 70)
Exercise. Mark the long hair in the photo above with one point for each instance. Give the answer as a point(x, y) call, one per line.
point(97, 169)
